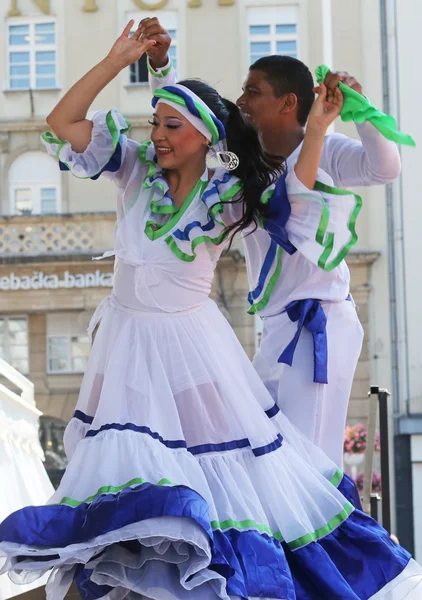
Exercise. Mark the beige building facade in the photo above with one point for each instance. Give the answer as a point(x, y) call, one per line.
point(51, 224)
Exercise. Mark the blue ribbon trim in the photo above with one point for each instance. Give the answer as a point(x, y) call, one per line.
point(266, 267)
point(355, 561)
point(184, 235)
point(364, 560)
point(78, 414)
point(223, 447)
point(272, 412)
point(112, 166)
point(309, 314)
point(138, 429)
point(269, 447)
point(348, 488)
point(233, 553)
point(214, 189)
point(278, 211)
point(176, 444)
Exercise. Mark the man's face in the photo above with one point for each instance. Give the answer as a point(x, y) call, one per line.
point(258, 102)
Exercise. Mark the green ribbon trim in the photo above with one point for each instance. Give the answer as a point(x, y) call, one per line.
point(247, 524)
point(327, 239)
point(323, 531)
point(165, 209)
point(162, 73)
point(154, 231)
point(225, 198)
point(265, 198)
point(111, 489)
point(232, 191)
point(270, 286)
point(357, 108)
point(170, 241)
point(230, 523)
point(216, 210)
point(336, 478)
point(202, 239)
point(114, 131)
point(50, 139)
point(205, 115)
point(142, 156)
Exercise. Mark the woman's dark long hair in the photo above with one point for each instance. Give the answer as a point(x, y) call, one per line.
point(257, 169)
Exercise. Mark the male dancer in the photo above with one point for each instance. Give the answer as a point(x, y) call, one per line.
point(306, 310)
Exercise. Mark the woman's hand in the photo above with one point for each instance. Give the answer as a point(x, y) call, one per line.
point(129, 49)
point(68, 119)
point(325, 109)
point(323, 112)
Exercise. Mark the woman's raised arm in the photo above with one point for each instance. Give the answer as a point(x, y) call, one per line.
point(68, 119)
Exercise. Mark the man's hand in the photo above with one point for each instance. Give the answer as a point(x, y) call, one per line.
point(332, 80)
point(152, 30)
point(324, 110)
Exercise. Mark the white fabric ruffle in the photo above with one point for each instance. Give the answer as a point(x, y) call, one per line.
point(106, 131)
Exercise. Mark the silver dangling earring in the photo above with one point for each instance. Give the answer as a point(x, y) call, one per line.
point(228, 160)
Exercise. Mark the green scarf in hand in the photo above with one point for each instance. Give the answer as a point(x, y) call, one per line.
point(357, 108)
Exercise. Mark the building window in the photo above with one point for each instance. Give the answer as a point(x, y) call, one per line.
point(34, 185)
point(138, 72)
point(32, 54)
point(272, 31)
point(68, 345)
point(67, 353)
point(14, 342)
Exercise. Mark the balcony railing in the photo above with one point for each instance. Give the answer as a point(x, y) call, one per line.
point(24, 480)
point(41, 235)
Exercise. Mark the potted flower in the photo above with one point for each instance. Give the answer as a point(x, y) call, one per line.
point(355, 446)
point(355, 439)
point(376, 482)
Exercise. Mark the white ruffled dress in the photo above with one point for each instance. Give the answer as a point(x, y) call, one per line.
point(184, 479)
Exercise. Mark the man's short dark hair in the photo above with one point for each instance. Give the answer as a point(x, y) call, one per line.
point(288, 75)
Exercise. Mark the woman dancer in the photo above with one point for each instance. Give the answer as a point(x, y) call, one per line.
point(178, 485)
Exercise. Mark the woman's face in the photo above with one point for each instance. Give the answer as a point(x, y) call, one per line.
point(177, 142)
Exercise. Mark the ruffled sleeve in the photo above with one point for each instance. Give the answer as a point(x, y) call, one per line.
point(207, 221)
point(159, 78)
point(318, 223)
point(107, 152)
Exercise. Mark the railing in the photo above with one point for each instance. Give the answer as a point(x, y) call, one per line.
point(378, 399)
point(38, 235)
point(18, 413)
point(23, 479)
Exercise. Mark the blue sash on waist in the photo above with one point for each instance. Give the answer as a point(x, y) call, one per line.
point(309, 315)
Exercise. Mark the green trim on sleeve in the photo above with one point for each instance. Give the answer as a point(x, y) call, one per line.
point(162, 72)
point(113, 129)
point(270, 286)
point(326, 239)
point(265, 198)
point(154, 231)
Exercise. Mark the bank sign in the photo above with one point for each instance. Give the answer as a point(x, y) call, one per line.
point(41, 281)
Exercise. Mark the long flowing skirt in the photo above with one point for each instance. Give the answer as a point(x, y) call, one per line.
point(186, 482)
